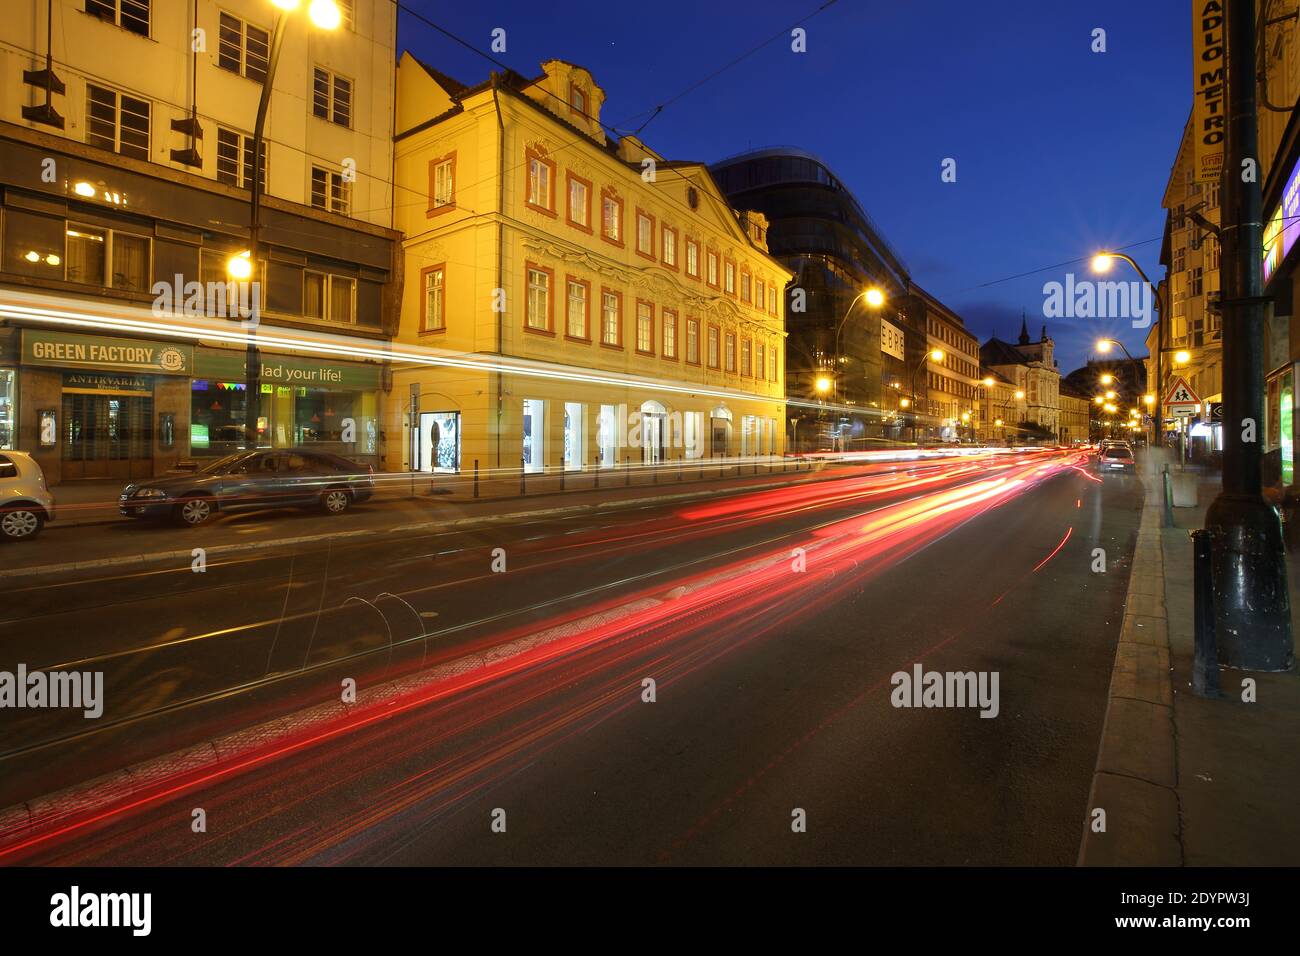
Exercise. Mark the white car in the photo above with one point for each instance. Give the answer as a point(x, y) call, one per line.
point(25, 503)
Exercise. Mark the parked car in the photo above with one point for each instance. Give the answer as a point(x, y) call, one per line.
point(1117, 458)
point(268, 478)
point(25, 503)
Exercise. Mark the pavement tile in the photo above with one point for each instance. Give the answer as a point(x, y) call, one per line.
point(1142, 673)
point(1141, 629)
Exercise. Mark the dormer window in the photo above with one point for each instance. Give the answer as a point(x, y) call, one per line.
point(578, 100)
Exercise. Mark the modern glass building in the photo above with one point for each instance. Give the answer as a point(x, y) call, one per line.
point(864, 357)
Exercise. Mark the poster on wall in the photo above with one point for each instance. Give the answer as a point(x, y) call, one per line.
point(1285, 415)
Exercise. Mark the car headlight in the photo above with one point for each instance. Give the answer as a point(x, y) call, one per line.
point(149, 493)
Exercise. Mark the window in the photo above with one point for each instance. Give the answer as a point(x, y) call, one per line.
point(771, 364)
point(534, 450)
point(645, 327)
point(670, 334)
point(578, 100)
point(1180, 255)
point(760, 360)
point(771, 299)
point(730, 355)
point(117, 122)
point(541, 183)
point(130, 15)
point(713, 346)
point(607, 436)
point(433, 316)
point(747, 357)
point(235, 159)
point(692, 258)
point(760, 294)
point(575, 436)
point(328, 297)
point(348, 10)
point(611, 217)
point(693, 341)
point(576, 310)
point(579, 202)
point(1211, 254)
point(746, 287)
point(645, 234)
point(713, 269)
point(538, 314)
point(331, 97)
point(442, 184)
point(729, 278)
point(242, 48)
point(670, 247)
point(611, 318)
point(1196, 284)
point(330, 191)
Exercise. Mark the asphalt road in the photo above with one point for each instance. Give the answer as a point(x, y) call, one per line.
point(772, 684)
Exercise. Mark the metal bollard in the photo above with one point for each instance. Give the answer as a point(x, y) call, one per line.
point(1169, 498)
point(1205, 662)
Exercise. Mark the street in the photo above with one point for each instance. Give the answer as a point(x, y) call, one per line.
point(771, 683)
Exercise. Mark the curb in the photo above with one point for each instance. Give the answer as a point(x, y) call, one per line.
point(1136, 775)
point(186, 554)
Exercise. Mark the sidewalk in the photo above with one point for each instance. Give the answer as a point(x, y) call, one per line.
point(1184, 780)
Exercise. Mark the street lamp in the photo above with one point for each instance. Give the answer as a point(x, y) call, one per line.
point(326, 16)
point(874, 298)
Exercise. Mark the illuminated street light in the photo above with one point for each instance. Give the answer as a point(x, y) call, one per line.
point(1107, 379)
point(904, 402)
point(1099, 400)
point(1101, 262)
point(988, 382)
point(1020, 394)
point(823, 384)
point(325, 14)
point(1182, 357)
point(1149, 399)
point(240, 267)
point(875, 298)
point(1111, 394)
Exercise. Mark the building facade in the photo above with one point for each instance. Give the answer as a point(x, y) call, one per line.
point(125, 167)
point(850, 366)
point(1193, 333)
point(612, 306)
point(1031, 367)
point(953, 381)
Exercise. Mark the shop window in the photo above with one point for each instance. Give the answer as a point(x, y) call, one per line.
point(8, 408)
point(534, 435)
point(575, 436)
point(607, 436)
point(439, 442)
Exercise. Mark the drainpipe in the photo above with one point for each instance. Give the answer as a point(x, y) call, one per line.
point(501, 248)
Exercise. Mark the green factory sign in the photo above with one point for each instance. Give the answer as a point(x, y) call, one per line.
point(105, 353)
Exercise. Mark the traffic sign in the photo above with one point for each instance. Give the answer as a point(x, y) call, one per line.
point(1180, 393)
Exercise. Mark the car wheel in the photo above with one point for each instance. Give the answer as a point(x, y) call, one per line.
point(21, 522)
point(335, 501)
point(193, 512)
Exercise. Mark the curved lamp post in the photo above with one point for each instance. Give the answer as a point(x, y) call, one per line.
point(242, 266)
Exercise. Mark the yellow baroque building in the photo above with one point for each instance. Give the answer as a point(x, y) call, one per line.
point(596, 304)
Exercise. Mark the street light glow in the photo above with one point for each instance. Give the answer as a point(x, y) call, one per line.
point(1182, 357)
point(1020, 393)
point(1103, 345)
point(823, 384)
point(325, 14)
point(1101, 262)
point(240, 267)
point(1107, 379)
point(988, 382)
point(84, 188)
point(875, 298)
point(936, 355)
point(286, 4)
point(1099, 400)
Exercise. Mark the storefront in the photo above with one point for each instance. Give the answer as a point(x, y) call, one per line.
point(305, 401)
point(95, 406)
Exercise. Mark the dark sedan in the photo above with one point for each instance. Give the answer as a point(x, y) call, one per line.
point(252, 479)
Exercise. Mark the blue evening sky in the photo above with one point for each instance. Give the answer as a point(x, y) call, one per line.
point(1059, 150)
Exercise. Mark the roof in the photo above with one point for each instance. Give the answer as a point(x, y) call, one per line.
point(997, 352)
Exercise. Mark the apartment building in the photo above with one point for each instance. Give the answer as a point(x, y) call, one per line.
point(126, 167)
point(609, 303)
point(953, 381)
